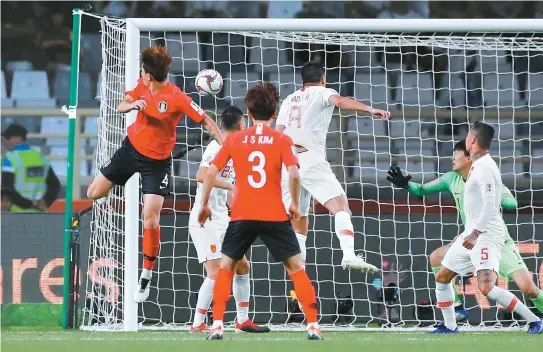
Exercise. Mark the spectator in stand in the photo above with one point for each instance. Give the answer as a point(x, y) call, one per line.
point(18, 32)
point(56, 41)
point(25, 171)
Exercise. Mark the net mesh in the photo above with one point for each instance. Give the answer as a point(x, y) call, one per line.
point(434, 86)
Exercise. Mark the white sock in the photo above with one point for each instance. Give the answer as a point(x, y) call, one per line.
point(241, 290)
point(146, 274)
point(216, 324)
point(205, 296)
point(301, 242)
point(445, 301)
point(345, 232)
point(511, 302)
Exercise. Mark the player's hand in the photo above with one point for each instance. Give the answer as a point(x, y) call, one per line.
point(139, 105)
point(294, 212)
point(40, 205)
point(380, 114)
point(205, 213)
point(230, 198)
point(397, 178)
point(471, 239)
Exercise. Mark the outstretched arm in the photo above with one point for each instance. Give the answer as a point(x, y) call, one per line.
point(201, 175)
point(212, 128)
point(345, 103)
point(396, 177)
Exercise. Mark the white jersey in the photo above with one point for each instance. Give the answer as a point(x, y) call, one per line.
point(306, 114)
point(482, 198)
point(217, 198)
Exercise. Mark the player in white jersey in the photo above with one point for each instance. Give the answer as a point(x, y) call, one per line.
point(305, 116)
point(208, 239)
point(481, 243)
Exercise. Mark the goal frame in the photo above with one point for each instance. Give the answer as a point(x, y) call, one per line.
point(132, 67)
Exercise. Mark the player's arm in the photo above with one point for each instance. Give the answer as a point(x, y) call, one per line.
point(219, 162)
point(197, 114)
point(485, 182)
point(282, 117)
point(130, 101)
point(345, 103)
point(509, 202)
point(218, 183)
point(291, 163)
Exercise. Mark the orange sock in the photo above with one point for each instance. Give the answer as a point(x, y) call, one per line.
point(305, 292)
point(151, 245)
point(221, 293)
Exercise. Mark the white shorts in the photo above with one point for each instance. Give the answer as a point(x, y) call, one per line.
point(208, 239)
point(317, 180)
point(485, 255)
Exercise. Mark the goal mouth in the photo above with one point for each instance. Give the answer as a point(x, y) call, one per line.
point(434, 85)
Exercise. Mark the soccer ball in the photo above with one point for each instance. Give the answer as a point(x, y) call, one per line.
point(208, 82)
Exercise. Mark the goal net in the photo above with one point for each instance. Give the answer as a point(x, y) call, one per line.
point(433, 84)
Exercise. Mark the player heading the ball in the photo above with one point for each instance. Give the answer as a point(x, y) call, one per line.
point(481, 243)
point(259, 153)
point(208, 239)
point(512, 267)
point(147, 149)
point(305, 116)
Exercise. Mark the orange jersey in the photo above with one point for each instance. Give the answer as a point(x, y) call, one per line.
point(153, 132)
point(258, 153)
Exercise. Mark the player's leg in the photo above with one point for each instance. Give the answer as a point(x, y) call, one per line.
point(207, 241)
point(152, 205)
point(485, 257)
point(301, 227)
point(456, 261)
point(238, 239)
point(116, 171)
point(513, 268)
point(322, 184)
point(281, 241)
point(241, 289)
point(436, 257)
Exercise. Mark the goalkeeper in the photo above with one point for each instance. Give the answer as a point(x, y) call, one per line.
point(512, 266)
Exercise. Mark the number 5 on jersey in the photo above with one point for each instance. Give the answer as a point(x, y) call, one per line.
point(259, 160)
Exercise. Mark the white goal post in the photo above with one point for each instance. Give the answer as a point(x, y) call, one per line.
point(485, 35)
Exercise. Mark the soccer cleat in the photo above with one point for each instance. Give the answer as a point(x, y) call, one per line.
point(461, 314)
point(442, 329)
point(216, 333)
point(313, 332)
point(357, 263)
point(249, 326)
point(142, 293)
point(535, 327)
point(200, 328)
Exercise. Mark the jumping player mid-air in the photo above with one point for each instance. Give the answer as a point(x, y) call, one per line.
point(512, 267)
point(305, 117)
point(481, 243)
point(259, 153)
point(208, 239)
point(147, 149)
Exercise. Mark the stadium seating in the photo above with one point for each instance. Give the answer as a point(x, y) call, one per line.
point(61, 87)
point(91, 52)
point(269, 55)
point(60, 166)
point(286, 81)
point(13, 66)
point(55, 125)
point(6, 102)
point(366, 126)
point(91, 127)
point(190, 53)
point(237, 84)
point(30, 89)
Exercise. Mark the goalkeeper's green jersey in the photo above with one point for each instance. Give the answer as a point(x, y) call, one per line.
point(453, 182)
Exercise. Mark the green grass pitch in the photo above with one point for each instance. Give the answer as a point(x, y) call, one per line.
point(14, 340)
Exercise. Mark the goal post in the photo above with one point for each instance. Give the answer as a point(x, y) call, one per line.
point(116, 228)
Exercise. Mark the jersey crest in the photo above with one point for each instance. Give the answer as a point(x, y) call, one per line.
point(162, 107)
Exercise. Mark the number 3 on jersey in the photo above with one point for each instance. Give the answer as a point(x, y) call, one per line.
point(260, 160)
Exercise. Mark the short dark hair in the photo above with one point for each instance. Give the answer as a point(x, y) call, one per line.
point(461, 146)
point(483, 134)
point(156, 61)
point(262, 100)
point(231, 116)
point(15, 130)
point(312, 72)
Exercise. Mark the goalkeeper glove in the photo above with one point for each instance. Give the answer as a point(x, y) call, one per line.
point(397, 178)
